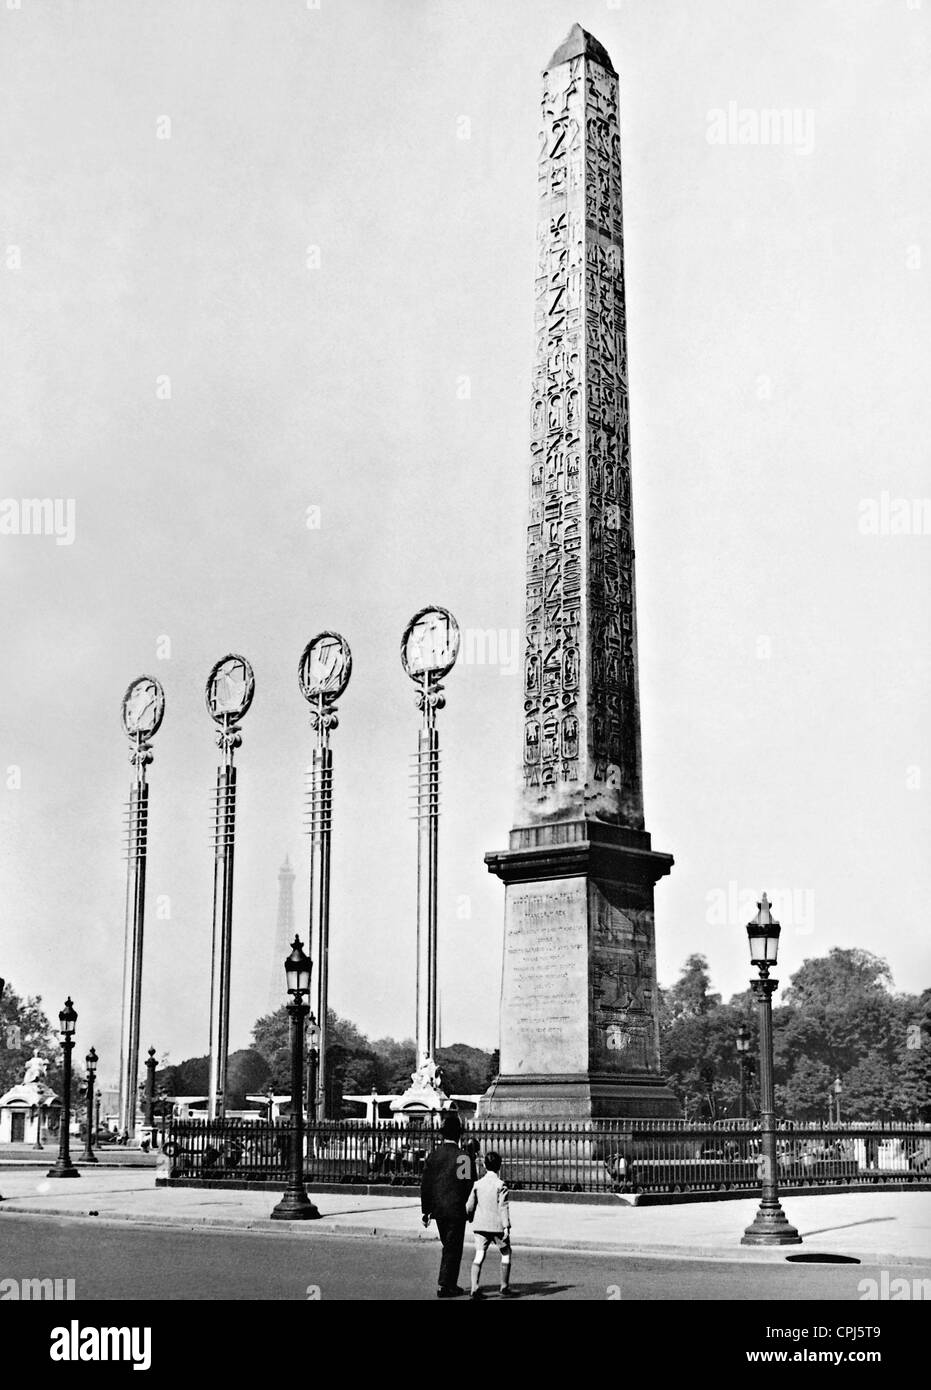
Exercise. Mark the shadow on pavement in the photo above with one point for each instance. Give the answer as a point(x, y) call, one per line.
point(367, 1212)
point(869, 1221)
point(542, 1289)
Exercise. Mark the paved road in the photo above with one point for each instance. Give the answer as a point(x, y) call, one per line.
point(113, 1261)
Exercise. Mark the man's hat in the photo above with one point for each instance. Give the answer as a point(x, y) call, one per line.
point(451, 1127)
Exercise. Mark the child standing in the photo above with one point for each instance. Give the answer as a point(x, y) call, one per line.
point(489, 1212)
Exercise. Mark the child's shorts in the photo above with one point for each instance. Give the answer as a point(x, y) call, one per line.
point(485, 1238)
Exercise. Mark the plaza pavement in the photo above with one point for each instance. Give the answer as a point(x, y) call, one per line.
point(108, 1156)
point(881, 1227)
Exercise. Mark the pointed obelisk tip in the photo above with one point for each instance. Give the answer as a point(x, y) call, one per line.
point(579, 43)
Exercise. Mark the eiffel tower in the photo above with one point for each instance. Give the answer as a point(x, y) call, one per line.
point(284, 935)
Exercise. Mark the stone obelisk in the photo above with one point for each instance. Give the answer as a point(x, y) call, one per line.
point(579, 1025)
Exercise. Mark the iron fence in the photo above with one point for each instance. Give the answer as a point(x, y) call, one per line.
point(620, 1156)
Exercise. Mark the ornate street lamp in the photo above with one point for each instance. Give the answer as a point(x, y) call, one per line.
point(161, 1097)
point(313, 1070)
point(143, 710)
point(837, 1089)
point(429, 649)
point(229, 692)
point(150, 1065)
point(769, 1226)
point(90, 1063)
point(743, 1047)
point(295, 1205)
point(323, 673)
point(38, 1144)
point(64, 1168)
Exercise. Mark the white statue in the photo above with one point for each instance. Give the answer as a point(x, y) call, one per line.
point(36, 1068)
point(427, 1077)
point(426, 1091)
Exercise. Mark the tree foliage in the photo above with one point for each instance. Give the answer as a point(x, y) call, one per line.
point(356, 1066)
point(842, 977)
point(838, 1018)
point(247, 1073)
point(25, 1029)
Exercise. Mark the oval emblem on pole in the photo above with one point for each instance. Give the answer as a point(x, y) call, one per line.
point(229, 690)
point(325, 667)
point(430, 644)
point(143, 708)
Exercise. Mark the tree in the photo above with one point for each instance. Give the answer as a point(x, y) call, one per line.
point(696, 1051)
point(271, 1039)
point(465, 1068)
point(351, 1063)
point(25, 1029)
point(697, 1043)
point(247, 1073)
point(394, 1063)
point(805, 1094)
point(913, 1067)
point(838, 1014)
point(868, 1091)
point(356, 1066)
point(690, 996)
point(188, 1078)
point(838, 1017)
point(835, 981)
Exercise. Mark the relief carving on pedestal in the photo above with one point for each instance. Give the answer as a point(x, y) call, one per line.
point(623, 973)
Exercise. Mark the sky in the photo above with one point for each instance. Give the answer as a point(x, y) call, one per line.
point(267, 295)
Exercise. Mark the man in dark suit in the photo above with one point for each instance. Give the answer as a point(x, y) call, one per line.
point(448, 1178)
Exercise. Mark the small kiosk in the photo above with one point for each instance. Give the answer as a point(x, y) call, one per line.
point(30, 1112)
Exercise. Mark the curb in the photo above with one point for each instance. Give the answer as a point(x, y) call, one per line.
point(328, 1227)
point(405, 1193)
point(20, 1163)
point(612, 1199)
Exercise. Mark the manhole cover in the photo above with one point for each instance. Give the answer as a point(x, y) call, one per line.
point(822, 1259)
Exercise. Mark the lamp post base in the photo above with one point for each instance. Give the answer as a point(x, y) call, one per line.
point(63, 1170)
point(88, 1158)
point(295, 1206)
point(770, 1226)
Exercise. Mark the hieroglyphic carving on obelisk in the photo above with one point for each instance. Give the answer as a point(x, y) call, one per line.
point(581, 718)
point(579, 1025)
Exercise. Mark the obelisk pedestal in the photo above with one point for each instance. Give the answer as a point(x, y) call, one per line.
point(579, 1023)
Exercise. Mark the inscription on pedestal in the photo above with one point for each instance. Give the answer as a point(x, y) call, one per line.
point(545, 978)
